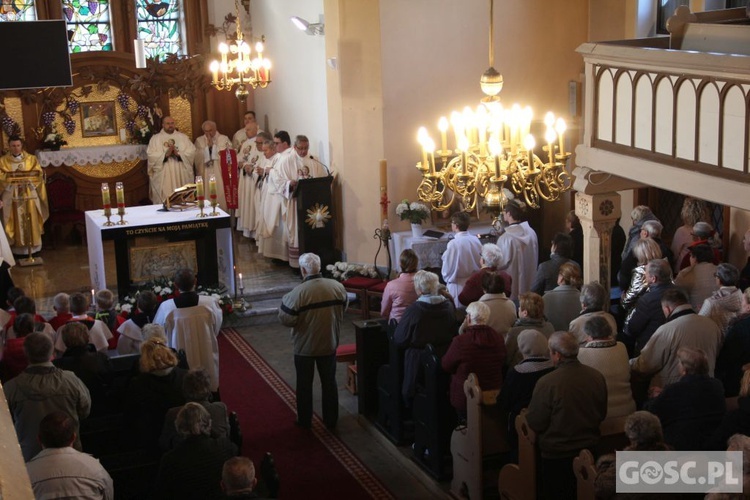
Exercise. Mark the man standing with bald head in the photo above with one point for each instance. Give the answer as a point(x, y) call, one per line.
point(170, 161)
point(207, 161)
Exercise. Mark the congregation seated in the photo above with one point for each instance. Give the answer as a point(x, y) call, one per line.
point(547, 273)
point(645, 250)
point(196, 387)
point(593, 301)
point(562, 304)
point(192, 470)
point(238, 479)
point(92, 367)
point(502, 310)
point(726, 302)
point(530, 317)
point(478, 349)
point(648, 315)
point(131, 331)
point(14, 359)
point(610, 358)
point(699, 277)
point(691, 408)
point(400, 293)
point(105, 311)
point(566, 409)
point(521, 379)
point(738, 442)
point(491, 260)
point(152, 392)
point(735, 351)
point(99, 333)
point(61, 305)
point(14, 293)
point(650, 230)
point(736, 420)
point(27, 305)
point(61, 471)
point(430, 320)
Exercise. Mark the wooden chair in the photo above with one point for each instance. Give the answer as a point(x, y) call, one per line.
point(483, 435)
point(347, 353)
point(374, 298)
point(61, 193)
point(358, 285)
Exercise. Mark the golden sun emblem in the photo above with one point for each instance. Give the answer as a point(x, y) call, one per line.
point(317, 216)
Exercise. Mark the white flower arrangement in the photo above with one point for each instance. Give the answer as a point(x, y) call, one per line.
point(342, 270)
point(164, 289)
point(415, 212)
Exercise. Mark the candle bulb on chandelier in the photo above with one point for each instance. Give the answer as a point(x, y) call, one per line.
point(431, 151)
point(496, 150)
point(560, 127)
point(443, 126)
point(422, 139)
point(463, 145)
point(550, 137)
point(529, 144)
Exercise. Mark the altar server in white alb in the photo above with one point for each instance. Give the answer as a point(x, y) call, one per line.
point(170, 161)
point(520, 246)
point(271, 235)
point(283, 181)
point(462, 256)
point(207, 161)
point(249, 156)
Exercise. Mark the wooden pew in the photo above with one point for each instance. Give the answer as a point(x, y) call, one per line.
point(483, 435)
point(434, 417)
point(584, 467)
point(391, 411)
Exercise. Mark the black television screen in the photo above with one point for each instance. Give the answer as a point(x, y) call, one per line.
point(35, 55)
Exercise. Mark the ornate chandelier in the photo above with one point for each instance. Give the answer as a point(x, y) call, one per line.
point(493, 147)
point(237, 69)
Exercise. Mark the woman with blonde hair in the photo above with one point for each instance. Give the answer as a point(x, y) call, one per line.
point(693, 211)
point(563, 303)
point(151, 393)
point(645, 250)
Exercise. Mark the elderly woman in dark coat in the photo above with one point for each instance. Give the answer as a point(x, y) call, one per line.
point(479, 350)
point(430, 320)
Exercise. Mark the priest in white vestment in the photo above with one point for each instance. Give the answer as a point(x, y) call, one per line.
point(271, 229)
point(170, 161)
point(291, 168)
point(462, 256)
point(250, 156)
point(207, 160)
point(247, 132)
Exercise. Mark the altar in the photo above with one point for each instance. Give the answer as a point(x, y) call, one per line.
point(430, 250)
point(205, 241)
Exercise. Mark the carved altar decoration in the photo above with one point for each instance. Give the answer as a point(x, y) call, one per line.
point(182, 198)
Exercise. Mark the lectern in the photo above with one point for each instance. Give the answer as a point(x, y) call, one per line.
point(315, 218)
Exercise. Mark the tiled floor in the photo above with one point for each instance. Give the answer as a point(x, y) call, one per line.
point(66, 269)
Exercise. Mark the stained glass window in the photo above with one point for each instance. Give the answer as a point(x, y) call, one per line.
point(89, 27)
point(17, 10)
point(160, 27)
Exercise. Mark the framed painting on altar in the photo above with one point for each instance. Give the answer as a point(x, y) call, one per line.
point(151, 262)
point(98, 119)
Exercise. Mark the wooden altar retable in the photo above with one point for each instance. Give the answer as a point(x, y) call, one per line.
point(212, 236)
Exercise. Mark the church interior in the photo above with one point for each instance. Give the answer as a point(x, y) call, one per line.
point(655, 103)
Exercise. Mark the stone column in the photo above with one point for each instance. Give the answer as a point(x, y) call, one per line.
point(598, 214)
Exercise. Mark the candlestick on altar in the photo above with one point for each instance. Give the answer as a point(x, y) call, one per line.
point(120, 192)
point(212, 195)
point(200, 195)
point(107, 204)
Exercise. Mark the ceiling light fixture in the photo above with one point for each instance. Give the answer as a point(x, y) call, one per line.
point(311, 29)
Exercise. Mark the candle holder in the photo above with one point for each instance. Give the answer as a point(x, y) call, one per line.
point(239, 304)
point(200, 195)
point(214, 203)
point(383, 235)
point(107, 204)
point(120, 192)
point(213, 195)
point(108, 215)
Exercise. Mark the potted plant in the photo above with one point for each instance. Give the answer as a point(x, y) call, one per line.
point(414, 212)
point(54, 140)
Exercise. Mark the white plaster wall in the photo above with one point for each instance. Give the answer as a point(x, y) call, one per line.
point(295, 100)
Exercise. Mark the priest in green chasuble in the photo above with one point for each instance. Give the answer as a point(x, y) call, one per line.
point(25, 206)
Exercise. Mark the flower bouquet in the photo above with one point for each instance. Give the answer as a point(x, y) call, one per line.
point(164, 289)
point(341, 271)
point(414, 212)
point(54, 140)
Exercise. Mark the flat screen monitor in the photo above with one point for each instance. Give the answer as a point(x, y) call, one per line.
point(35, 55)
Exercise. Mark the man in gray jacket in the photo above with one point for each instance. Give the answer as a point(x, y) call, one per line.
point(314, 310)
point(41, 389)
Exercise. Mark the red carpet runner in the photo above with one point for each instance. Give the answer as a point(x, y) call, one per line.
point(311, 463)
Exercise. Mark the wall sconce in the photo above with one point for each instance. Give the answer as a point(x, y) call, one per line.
point(311, 29)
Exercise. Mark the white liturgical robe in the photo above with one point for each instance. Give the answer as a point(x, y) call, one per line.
point(248, 158)
point(460, 261)
point(207, 162)
point(167, 174)
point(520, 249)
